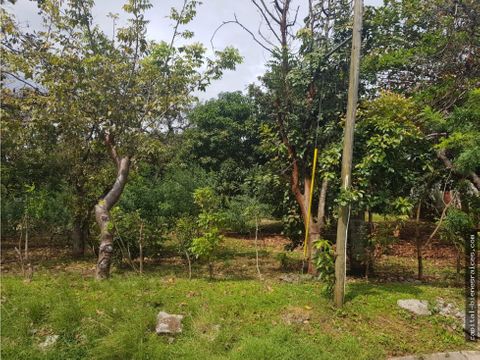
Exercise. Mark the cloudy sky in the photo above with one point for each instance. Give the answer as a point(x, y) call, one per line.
point(210, 15)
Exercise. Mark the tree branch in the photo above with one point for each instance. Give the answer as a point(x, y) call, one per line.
point(24, 82)
point(265, 7)
point(448, 164)
point(264, 16)
point(244, 28)
point(110, 142)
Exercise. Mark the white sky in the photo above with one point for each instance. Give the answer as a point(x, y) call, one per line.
point(210, 15)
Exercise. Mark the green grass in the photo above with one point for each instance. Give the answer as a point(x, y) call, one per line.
point(224, 319)
point(235, 316)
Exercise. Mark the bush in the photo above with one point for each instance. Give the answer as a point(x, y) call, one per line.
point(324, 260)
point(286, 262)
point(293, 228)
point(46, 211)
point(456, 226)
point(127, 226)
point(208, 222)
point(454, 229)
point(186, 230)
point(235, 217)
point(162, 200)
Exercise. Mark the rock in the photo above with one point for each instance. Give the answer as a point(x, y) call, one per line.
point(296, 278)
point(447, 309)
point(418, 307)
point(50, 340)
point(168, 323)
point(290, 278)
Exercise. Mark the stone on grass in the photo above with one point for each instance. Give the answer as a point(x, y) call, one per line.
point(168, 323)
point(446, 309)
point(50, 340)
point(418, 307)
point(295, 278)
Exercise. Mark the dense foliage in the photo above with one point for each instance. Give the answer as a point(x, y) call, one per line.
point(81, 98)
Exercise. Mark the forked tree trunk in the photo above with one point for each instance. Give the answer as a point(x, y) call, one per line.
point(102, 212)
point(303, 201)
point(315, 227)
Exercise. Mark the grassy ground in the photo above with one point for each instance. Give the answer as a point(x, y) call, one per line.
point(235, 316)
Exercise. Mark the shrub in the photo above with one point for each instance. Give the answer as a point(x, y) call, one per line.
point(163, 199)
point(208, 222)
point(186, 230)
point(454, 229)
point(235, 217)
point(324, 261)
point(127, 227)
point(456, 226)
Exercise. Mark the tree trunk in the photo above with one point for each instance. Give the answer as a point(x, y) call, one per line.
point(25, 256)
point(189, 264)
point(358, 244)
point(102, 212)
point(312, 237)
point(140, 247)
point(313, 230)
point(256, 249)
point(474, 178)
point(210, 269)
point(322, 200)
point(317, 227)
point(79, 237)
point(418, 242)
point(371, 246)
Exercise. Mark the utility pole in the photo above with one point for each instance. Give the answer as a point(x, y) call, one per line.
point(344, 211)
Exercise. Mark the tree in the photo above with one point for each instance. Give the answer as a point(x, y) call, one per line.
point(428, 50)
point(304, 99)
point(457, 135)
point(223, 138)
point(392, 154)
point(208, 225)
point(116, 94)
point(393, 163)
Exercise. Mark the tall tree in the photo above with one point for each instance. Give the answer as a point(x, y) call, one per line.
point(119, 94)
point(303, 101)
point(429, 50)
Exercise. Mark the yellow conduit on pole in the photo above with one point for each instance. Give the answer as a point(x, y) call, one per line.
point(307, 226)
